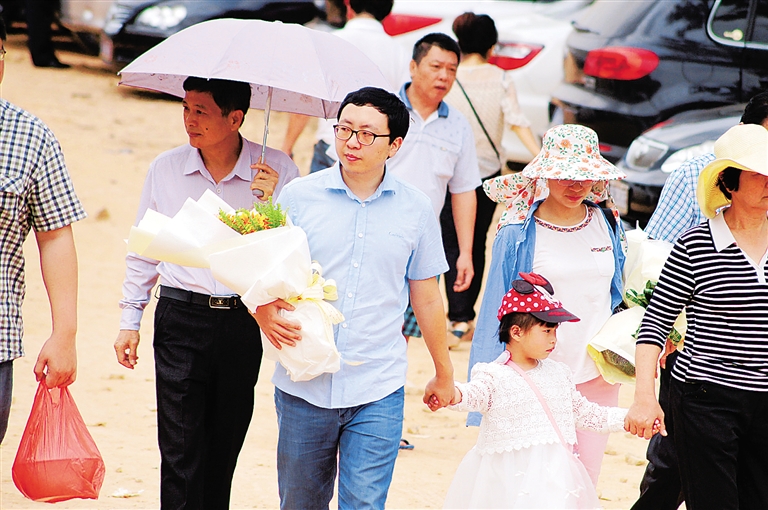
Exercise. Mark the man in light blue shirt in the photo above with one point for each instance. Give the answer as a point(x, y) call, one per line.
point(379, 239)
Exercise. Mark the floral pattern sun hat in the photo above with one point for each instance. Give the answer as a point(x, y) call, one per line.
point(568, 152)
point(571, 151)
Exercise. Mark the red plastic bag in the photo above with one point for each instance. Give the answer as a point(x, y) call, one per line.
point(57, 458)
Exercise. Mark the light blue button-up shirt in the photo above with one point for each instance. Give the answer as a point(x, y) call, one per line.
point(371, 248)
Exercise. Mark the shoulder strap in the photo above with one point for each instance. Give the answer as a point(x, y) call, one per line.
point(610, 218)
point(493, 145)
point(543, 402)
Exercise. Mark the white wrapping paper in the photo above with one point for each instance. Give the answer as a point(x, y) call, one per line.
point(613, 347)
point(261, 267)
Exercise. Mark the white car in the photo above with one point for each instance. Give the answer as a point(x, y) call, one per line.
point(531, 47)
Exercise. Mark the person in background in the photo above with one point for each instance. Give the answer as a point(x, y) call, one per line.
point(553, 226)
point(479, 90)
point(365, 32)
point(677, 211)
point(36, 193)
point(40, 15)
point(207, 346)
point(439, 157)
point(718, 391)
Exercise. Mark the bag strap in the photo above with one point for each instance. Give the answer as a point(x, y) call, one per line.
point(543, 402)
point(608, 213)
point(493, 145)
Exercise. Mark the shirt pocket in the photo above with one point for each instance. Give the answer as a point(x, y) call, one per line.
point(445, 154)
point(604, 260)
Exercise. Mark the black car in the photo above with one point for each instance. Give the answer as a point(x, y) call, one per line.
point(631, 65)
point(661, 150)
point(132, 27)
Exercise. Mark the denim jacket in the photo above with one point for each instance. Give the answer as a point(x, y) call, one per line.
point(513, 251)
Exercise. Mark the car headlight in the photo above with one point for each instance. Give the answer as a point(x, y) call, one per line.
point(162, 16)
point(683, 155)
point(643, 153)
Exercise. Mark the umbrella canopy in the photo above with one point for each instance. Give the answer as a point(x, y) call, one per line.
point(299, 69)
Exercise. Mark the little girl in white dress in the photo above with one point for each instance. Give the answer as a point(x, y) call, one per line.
point(524, 453)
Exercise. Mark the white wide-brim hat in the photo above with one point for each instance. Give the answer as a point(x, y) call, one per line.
point(571, 152)
point(744, 147)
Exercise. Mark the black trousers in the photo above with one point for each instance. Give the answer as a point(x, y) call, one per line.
point(40, 14)
point(206, 365)
point(722, 445)
point(461, 305)
point(660, 488)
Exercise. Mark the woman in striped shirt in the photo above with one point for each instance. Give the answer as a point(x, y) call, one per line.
point(719, 389)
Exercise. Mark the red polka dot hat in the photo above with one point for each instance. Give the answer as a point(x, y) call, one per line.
point(533, 294)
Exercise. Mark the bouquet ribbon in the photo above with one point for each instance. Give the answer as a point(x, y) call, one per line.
point(319, 292)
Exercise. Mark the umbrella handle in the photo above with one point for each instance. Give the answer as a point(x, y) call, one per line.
point(267, 109)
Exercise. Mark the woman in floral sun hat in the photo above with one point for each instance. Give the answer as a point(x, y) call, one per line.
point(553, 226)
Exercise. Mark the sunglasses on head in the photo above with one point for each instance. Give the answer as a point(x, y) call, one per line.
point(524, 287)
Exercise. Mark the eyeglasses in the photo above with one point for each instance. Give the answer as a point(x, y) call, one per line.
point(567, 183)
point(363, 137)
point(2, 54)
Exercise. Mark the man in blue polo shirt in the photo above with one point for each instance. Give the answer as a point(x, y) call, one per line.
point(379, 239)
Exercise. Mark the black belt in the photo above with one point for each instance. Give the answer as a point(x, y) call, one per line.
point(195, 298)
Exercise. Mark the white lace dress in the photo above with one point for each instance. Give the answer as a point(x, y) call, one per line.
point(518, 461)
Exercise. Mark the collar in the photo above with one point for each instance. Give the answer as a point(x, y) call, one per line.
point(442, 108)
point(367, 24)
point(334, 181)
point(721, 234)
point(242, 167)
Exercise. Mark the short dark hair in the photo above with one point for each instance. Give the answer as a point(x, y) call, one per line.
point(442, 41)
point(756, 111)
point(379, 9)
point(3, 31)
point(385, 103)
point(476, 33)
point(227, 94)
point(525, 321)
point(728, 181)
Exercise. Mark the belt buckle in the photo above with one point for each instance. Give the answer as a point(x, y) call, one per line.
point(220, 302)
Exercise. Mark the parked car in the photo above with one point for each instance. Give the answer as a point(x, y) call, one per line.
point(127, 28)
point(631, 65)
point(661, 150)
point(532, 35)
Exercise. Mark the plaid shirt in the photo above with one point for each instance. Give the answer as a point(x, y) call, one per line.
point(35, 192)
point(678, 209)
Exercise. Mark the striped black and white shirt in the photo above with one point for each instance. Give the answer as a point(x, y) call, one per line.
point(725, 296)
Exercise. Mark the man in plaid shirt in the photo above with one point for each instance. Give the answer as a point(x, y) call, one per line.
point(35, 193)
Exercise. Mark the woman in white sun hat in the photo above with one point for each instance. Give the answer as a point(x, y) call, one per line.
point(552, 226)
point(719, 386)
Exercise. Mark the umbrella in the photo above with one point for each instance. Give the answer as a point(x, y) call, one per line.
point(291, 68)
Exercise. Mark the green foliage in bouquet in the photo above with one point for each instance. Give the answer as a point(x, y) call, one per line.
point(263, 216)
point(619, 362)
point(643, 299)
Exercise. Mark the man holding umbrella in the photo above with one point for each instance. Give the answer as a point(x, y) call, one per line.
point(207, 346)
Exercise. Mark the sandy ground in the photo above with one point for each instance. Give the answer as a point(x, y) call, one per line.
point(109, 136)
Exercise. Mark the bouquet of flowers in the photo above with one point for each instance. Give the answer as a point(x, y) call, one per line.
point(261, 256)
point(613, 348)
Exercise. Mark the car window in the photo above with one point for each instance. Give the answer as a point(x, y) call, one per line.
point(609, 18)
point(728, 22)
point(681, 20)
point(760, 30)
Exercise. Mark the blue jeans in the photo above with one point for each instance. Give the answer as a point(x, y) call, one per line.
point(320, 159)
point(6, 388)
point(364, 438)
